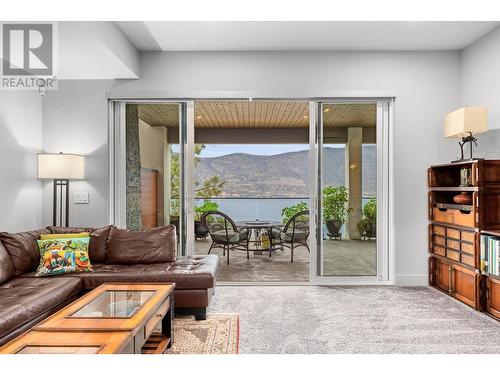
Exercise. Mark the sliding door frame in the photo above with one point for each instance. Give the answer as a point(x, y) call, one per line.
point(116, 142)
point(117, 165)
point(385, 199)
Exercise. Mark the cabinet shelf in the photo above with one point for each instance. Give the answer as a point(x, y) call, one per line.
point(491, 232)
point(490, 275)
point(461, 207)
point(454, 188)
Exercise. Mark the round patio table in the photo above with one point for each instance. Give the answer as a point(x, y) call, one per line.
point(258, 226)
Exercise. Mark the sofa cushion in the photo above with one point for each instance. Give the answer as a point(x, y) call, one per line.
point(7, 270)
point(198, 272)
point(22, 249)
point(156, 245)
point(98, 240)
point(64, 255)
point(23, 299)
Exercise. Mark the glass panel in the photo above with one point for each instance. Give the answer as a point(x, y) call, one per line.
point(114, 304)
point(348, 176)
point(35, 349)
point(153, 166)
point(252, 164)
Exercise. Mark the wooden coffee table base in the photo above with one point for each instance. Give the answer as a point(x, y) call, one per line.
point(113, 318)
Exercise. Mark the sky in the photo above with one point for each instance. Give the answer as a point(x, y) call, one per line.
point(212, 151)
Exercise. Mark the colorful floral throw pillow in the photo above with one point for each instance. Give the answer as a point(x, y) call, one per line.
point(63, 255)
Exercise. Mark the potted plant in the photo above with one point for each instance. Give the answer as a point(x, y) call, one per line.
point(368, 225)
point(199, 230)
point(335, 209)
point(288, 212)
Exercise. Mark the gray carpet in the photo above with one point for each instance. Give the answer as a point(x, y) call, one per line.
point(309, 319)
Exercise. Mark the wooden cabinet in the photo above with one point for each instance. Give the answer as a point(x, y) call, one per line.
point(492, 296)
point(465, 285)
point(455, 230)
point(456, 280)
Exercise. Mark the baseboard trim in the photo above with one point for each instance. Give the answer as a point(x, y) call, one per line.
point(412, 280)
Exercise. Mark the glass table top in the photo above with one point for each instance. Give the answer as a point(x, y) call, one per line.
point(41, 349)
point(114, 304)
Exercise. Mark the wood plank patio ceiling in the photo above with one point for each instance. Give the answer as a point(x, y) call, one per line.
point(260, 114)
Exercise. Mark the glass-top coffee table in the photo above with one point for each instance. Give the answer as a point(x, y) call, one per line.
point(69, 342)
point(143, 311)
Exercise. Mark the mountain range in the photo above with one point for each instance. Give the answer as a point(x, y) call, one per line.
point(283, 175)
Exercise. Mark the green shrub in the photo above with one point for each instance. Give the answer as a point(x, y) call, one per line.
point(288, 212)
point(370, 211)
point(335, 206)
point(207, 205)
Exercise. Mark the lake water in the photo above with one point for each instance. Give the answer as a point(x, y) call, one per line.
point(240, 209)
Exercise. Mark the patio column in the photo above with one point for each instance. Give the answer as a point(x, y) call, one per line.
point(353, 153)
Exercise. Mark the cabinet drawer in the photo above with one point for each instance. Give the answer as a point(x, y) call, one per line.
point(452, 233)
point(441, 241)
point(454, 217)
point(453, 255)
point(457, 244)
point(438, 229)
point(157, 317)
point(453, 244)
point(468, 260)
point(440, 250)
point(468, 236)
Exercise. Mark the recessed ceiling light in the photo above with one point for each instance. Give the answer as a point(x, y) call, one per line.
point(305, 116)
point(198, 116)
point(327, 109)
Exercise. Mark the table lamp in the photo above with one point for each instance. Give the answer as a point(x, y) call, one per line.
point(61, 168)
point(464, 123)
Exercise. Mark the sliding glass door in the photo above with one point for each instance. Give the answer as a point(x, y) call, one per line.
point(349, 148)
point(346, 177)
point(152, 181)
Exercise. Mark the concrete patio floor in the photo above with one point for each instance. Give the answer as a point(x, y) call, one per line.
point(341, 258)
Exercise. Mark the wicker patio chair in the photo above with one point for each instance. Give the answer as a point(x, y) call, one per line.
point(294, 234)
point(225, 234)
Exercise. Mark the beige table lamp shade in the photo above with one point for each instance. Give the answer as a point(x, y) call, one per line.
point(464, 121)
point(61, 166)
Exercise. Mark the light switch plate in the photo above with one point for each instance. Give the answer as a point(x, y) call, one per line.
point(81, 198)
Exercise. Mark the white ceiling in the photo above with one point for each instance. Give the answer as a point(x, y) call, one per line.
point(304, 36)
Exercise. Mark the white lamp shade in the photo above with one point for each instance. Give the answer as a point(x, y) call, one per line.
point(466, 120)
point(61, 166)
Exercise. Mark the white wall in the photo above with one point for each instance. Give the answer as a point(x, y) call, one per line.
point(95, 50)
point(480, 86)
point(75, 121)
point(20, 141)
point(426, 85)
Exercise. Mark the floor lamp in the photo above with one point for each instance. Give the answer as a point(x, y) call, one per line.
point(61, 168)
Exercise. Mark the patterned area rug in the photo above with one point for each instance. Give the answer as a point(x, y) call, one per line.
point(219, 334)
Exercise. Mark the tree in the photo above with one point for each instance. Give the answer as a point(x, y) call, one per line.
point(210, 187)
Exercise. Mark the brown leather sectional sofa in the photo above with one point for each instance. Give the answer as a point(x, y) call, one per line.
point(26, 300)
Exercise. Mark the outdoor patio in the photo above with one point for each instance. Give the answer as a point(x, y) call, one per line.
point(342, 258)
